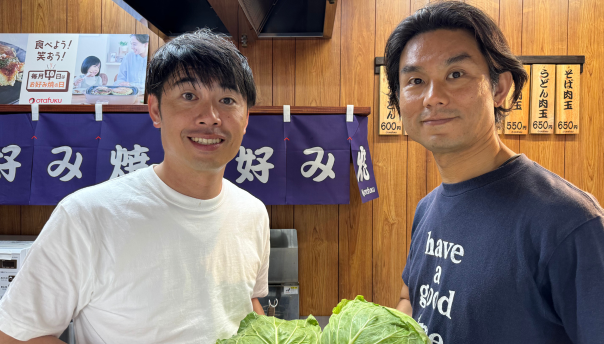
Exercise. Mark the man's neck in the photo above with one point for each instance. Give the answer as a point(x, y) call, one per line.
point(200, 185)
point(483, 157)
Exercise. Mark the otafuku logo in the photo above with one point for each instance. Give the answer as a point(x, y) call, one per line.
point(45, 101)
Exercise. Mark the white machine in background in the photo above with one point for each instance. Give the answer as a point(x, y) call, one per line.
point(12, 256)
point(13, 250)
point(283, 299)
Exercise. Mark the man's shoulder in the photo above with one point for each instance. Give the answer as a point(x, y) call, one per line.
point(425, 202)
point(243, 199)
point(540, 187)
point(111, 192)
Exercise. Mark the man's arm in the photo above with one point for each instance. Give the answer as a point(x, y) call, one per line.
point(255, 305)
point(404, 305)
point(122, 73)
point(6, 339)
point(575, 277)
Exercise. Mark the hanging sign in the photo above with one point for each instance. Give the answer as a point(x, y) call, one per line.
point(517, 121)
point(361, 158)
point(16, 158)
point(567, 99)
point(305, 161)
point(543, 96)
point(390, 120)
point(318, 160)
point(260, 165)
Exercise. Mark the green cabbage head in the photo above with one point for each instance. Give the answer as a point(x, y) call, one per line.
point(361, 322)
point(260, 329)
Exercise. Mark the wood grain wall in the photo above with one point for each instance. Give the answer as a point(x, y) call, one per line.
point(346, 250)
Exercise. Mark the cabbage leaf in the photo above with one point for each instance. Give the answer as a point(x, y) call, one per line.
point(361, 322)
point(260, 329)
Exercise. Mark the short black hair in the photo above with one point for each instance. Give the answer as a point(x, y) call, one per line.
point(89, 62)
point(453, 15)
point(204, 56)
point(141, 38)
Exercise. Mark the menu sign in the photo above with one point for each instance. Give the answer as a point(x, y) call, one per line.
point(390, 120)
point(516, 122)
point(567, 99)
point(72, 68)
point(543, 95)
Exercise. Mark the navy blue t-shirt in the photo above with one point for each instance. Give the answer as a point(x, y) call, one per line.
point(513, 256)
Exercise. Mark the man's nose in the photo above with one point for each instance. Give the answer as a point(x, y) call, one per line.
point(208, 114)
point(435, 95)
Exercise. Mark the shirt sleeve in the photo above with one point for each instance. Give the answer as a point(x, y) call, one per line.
point(53, 284)
point(122, 75)
point(261, 287)
point(576, 280)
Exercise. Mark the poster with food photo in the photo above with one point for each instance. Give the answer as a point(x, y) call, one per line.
point(110, 69)
point(13, 48)
point(73, 68)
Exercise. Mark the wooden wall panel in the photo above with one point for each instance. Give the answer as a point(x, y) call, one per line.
point(391, 230)
point(40, 16)
point(284, 71)
point(584, 165)
point(116, 20)
point(10, 16)
point(318, 84)
point(10, 22)
point(259, 53)
point(34, 217)
point(542, 34)
point(355, 230)
point(284, 80)
point(388, 155)
point(417, 4)
point(84, 16)
point(260, 58)
point(44, 16)
point(318, 69)
point(490, 7)
point(433, 178)
point(10, 219)
point(317, 227)
point(510, 19)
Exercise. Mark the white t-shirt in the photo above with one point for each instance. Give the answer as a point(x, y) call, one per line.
point(133, 261)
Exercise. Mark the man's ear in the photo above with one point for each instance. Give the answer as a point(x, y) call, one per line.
point(502, 88)
point(154, 112)
point(247, 120)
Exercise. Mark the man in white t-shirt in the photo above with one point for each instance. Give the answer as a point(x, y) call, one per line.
point(172, 253)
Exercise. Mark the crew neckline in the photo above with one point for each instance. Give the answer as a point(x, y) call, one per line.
point(509, 168)
point(184, 201)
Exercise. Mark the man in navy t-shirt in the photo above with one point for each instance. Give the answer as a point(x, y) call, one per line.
point(504, 251)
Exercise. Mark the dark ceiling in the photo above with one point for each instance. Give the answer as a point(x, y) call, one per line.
point(178, 16)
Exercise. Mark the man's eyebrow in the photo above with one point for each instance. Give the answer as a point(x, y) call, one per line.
point(185, 80)
point(460, 57)
point(410, 69)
